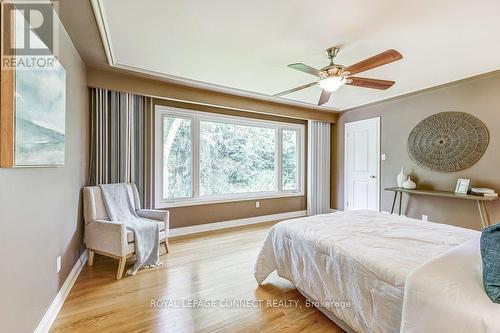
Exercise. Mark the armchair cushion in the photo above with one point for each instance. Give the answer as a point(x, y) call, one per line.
point(158, 215)
point(130, 234)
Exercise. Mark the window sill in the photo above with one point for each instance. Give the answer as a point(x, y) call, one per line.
point(220, 200)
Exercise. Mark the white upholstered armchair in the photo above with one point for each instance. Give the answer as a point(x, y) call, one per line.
point(112, 239)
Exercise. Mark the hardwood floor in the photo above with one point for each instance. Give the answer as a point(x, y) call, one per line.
point(216, 266)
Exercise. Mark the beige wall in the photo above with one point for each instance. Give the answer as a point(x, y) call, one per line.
point(201, 214)
point(40, 214)
point(194, 215)
point(479, 97)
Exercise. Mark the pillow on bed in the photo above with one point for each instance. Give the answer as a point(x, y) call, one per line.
point(490, 252)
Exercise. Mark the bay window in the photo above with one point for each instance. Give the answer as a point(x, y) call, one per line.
point(204, 158)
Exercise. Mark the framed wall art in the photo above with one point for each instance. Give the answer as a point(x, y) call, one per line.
point(33, 99)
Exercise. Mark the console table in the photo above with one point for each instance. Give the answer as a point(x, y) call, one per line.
point(481, 201)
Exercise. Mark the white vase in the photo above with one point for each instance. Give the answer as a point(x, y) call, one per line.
point(409, 184)
point(401, 178)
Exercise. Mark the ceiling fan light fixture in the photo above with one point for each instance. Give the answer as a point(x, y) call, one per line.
point(332, 83)
point(334, 76)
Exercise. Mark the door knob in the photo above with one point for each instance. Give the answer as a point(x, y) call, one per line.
point(373, 177)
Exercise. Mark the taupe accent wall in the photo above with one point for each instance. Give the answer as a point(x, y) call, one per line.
point(201, 214)
point(478, 96)
point(40, 213)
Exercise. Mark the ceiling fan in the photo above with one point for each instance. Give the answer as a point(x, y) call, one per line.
point(334, 76)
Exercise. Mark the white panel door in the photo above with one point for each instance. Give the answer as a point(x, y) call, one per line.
point(362, 165)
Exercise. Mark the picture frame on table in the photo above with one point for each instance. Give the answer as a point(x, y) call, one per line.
point(462, 186)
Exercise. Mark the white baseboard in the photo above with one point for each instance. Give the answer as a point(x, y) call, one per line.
point(234, 223)
point(53, 310)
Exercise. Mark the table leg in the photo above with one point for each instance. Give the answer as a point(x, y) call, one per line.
point(400, 202)
point(394, 201)
point(483, 212)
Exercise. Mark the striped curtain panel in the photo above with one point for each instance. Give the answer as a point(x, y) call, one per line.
point(121, 141)
point(318, 168)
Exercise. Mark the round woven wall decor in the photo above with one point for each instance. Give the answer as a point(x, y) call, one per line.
point(448, 141)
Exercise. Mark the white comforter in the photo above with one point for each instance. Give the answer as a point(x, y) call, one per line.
point(361, 257)
point(447, 295)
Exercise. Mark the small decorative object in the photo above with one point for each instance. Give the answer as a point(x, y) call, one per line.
point(462, 186)
point(401, 178)
point(409, 184)
point(448, 141)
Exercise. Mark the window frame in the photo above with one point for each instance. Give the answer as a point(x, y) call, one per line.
point(299, 161)
point(196, 117)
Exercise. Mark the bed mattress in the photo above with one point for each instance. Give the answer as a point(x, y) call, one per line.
point(355, 264)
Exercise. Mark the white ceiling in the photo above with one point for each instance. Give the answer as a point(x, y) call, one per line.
point(247, 44)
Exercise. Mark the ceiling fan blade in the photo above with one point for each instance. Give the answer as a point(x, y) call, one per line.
point(306, 69)
point(325, 97)
point(375, 61)
point(369, 83)
point(296, 89)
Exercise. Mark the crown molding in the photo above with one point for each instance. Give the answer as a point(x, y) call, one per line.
point(425, 90)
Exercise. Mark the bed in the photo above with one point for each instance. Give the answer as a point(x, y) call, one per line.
point(360, 258)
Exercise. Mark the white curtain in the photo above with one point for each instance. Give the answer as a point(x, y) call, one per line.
point(318, 168)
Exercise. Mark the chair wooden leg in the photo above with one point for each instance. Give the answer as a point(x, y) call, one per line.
point(121, 267)
point(90, 261)
point(166, 245)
